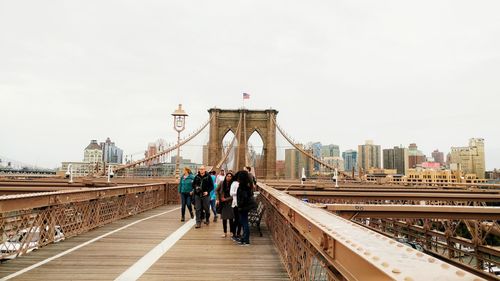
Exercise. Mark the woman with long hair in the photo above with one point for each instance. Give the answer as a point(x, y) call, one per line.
point(224, 200)
point(236, 230)
point(245, 203)
point(186, 191)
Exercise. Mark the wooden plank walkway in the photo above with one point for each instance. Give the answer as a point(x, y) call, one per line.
point(201, 254)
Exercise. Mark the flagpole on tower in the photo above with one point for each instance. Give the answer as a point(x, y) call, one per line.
point(245, 97)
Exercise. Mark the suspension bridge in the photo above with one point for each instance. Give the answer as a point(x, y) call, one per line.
point(130, 229)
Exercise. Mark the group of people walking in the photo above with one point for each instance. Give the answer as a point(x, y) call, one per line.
point(230, 194)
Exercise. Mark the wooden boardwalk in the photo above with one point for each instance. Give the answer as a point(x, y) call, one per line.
point(200, 254)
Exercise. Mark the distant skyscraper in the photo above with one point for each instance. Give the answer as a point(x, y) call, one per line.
point(152, 150)
point(470, 158)
point(331, 150)
point(295, 161)
point(280, 169)
point(350, 159)
point(448, 159)
point(205, 155)
point(396, 158)
point(438, 156)
point(369, 155)
point(316, 150)
point(336, 162)
point(415, 156)
point(111, 153)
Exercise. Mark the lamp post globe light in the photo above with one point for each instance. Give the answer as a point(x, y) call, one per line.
point(179, 126)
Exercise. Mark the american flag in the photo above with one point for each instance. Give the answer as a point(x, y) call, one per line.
point(246, 96)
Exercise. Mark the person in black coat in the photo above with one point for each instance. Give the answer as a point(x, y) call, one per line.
point(246, 202)
point(224, 201)
point(202, 186)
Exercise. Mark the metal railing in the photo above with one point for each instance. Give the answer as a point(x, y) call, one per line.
point(30, 221)
point(317, 245)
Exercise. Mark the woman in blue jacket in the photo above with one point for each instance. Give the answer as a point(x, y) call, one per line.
point(186, 191)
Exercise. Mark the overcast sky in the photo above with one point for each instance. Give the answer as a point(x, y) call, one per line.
point(338, 72)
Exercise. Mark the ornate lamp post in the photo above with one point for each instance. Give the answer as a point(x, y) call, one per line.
point(179, 126)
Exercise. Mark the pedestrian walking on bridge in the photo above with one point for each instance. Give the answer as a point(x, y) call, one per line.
point(202, 186)
point(186, 192)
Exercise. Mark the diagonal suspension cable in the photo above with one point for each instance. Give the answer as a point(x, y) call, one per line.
point(228, 150)
point(321, 162)
point(168, 150)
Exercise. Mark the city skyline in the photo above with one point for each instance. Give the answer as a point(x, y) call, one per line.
point(396, 72)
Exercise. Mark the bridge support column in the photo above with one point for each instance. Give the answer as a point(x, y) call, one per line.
point(215, 143)
point(270, 146)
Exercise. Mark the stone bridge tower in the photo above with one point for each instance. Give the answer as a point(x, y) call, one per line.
point(259, 121)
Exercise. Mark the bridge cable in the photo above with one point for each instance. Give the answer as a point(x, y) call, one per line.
point(168, 150)
point(245, 136)
point(230, 147)
point(305, 152)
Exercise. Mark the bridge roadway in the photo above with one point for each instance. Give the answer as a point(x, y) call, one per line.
point(137, 248)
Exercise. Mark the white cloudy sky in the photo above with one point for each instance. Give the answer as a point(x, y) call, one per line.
point(337, 71)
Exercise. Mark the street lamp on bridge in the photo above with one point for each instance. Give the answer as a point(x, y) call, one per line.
point(179, 126)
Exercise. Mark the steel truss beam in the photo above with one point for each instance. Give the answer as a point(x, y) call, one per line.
point(355, 252)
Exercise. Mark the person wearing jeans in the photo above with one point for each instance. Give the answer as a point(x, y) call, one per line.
point(236, 228)
point(186, 191)
point(202, 186)
point(213, 196)
point(245, 204)
point(224, 200)
point(245, 240)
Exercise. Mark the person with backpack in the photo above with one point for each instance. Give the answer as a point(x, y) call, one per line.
point(213, 196)
point(202, 186)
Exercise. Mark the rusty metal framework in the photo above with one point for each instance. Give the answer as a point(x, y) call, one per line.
point(350, 211)
point(463, 235)
point(302, 261)
point(326, 183)
point(30, 221)
point(317, 245)
point(403, 198)
point(470, 244)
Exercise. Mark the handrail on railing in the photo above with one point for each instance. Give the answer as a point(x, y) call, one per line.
point(9, 203)
point(338, 248)
point(30, 221)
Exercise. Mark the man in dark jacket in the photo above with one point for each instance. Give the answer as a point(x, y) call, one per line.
point(202, 186)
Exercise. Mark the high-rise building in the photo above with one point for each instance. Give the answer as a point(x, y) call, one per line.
point(316, 151)
point(438, 156)
point(396, 158)
point(331, 150)
point(350, 159)
point(470, 159)
point(295, 161)
point(369, 155)
point(280, 169)
point(93, 152)
point(152, 150)
point(448, 159)
point(205, 155)
point(415, 156)
point(336, 162)
point(111, 153)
